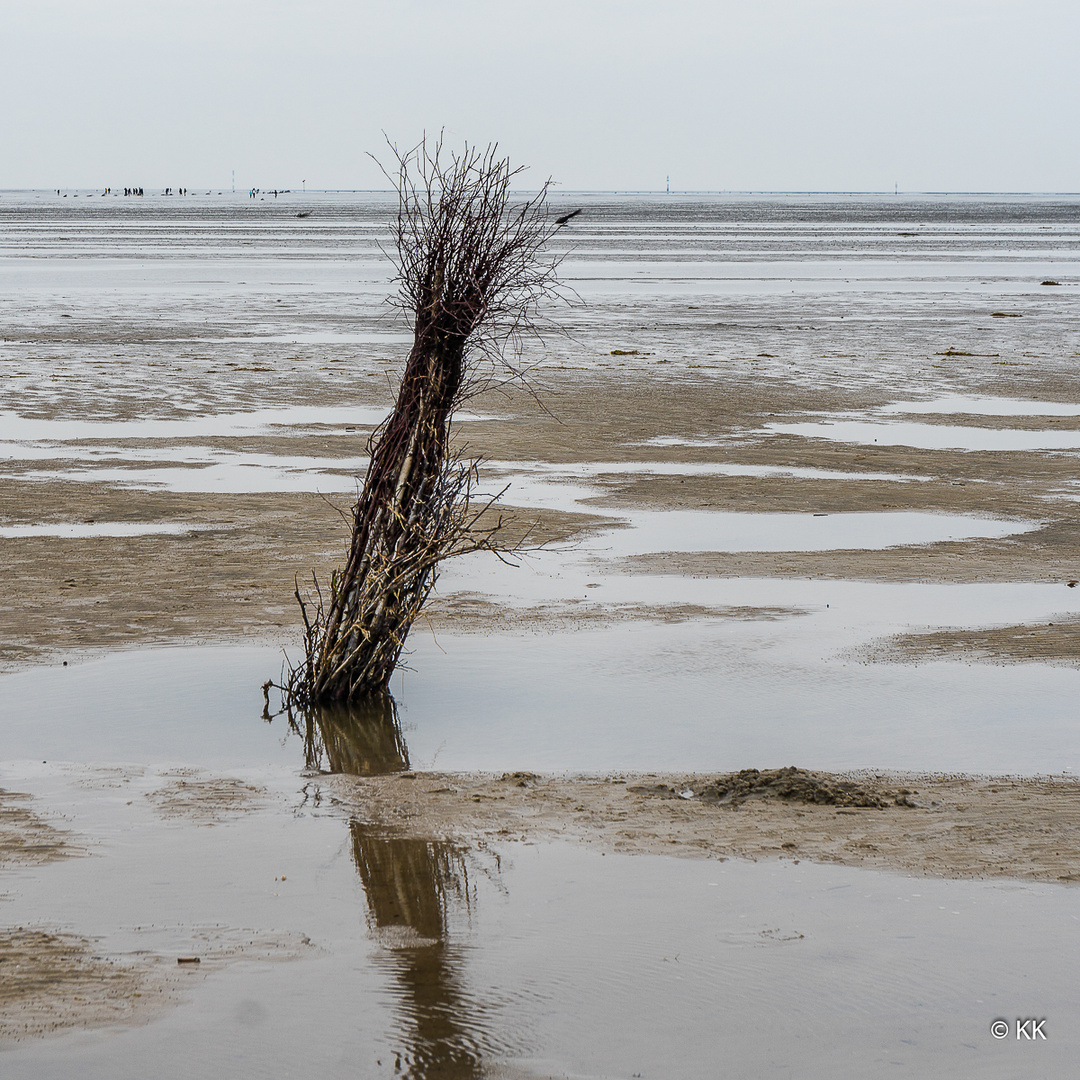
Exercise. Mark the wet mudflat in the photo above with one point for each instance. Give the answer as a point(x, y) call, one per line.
point(734, 574)
point(324, 941)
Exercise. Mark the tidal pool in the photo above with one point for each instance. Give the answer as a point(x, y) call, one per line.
point(724, 531)
point(426, 959)
point(593, 469)
point(211, 469)
point(284, 420)
point(960, 404)
point(769, 673)
point(929, 436)
point(648, 531)
point(104, 529)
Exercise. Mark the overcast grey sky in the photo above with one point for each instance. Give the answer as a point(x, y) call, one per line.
point(960, 95)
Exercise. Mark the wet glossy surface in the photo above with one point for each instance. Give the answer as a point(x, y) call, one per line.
point(594, 469)
point(689, 530)
point(104, 529)
point(209, 469)
point(930, 436)
point(773, 677)
point(216, 471)
point(959, 404)
point(428, 960)
point(253, 305)
point(283, 420)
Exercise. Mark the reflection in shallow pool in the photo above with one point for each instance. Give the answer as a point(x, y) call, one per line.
point(712, 694)
point(441, 1028)
point(428, 959)
point(568, 962)
point(360, 739)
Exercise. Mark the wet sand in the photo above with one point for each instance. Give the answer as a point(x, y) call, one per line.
point(643, 383)
point(235, 574)
point(956, 827)
point(925, 826)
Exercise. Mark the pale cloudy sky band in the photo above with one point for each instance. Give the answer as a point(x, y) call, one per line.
point(795, 95)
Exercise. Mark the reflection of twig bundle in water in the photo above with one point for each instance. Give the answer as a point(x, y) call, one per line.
point(362, 739)
point(471, 274)
point(407, 883)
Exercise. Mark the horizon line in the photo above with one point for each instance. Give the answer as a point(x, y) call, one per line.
point(206, 189)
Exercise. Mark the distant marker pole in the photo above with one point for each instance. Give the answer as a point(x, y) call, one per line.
point(667, 187)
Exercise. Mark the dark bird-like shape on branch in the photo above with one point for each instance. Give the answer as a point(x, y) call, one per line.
point(560, 221)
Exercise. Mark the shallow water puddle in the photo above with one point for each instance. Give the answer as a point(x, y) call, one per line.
point(891, 432)
point(754, 665)
point(593, 469)
point(97, 454)
point(276, 421)
point(929, 436)
point(960, 404)
point(214, 470)
point(626, 966)
point(862, 608)
point(186, 706)
point(104, 529)
point(732, 693)
point(761, 669)
point(649, 531)
point(542, 485)
point(688, 530)
point(666, 967)
point(413, 958)
point(227, 473)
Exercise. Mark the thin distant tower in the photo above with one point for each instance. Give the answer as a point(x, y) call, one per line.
point(234, 181)
point(667, 188)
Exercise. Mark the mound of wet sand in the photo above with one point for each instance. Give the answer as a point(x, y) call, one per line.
point(791, 783)
point(921, 824)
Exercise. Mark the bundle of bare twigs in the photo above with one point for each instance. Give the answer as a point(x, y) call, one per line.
point(472, 270)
